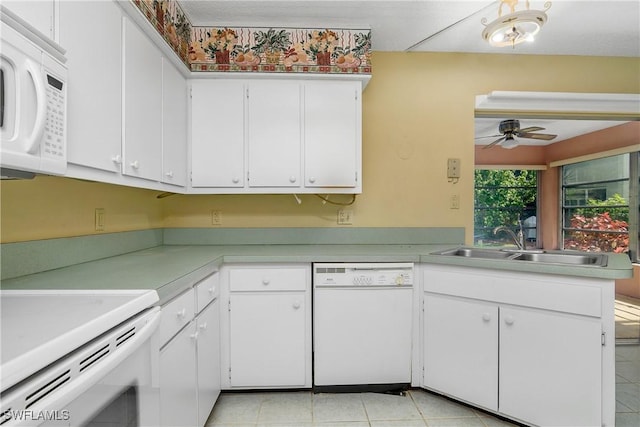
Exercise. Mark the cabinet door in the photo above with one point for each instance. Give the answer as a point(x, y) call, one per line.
point(550, 367)
point(274, 134)
point(267, 339)
point(332, 133)
point(174, 125)
point(217, 133)
point(142, 105)
point(461, 349)
point(94, 100)
point(208, 324)
point(178, 392)
point(40, 14)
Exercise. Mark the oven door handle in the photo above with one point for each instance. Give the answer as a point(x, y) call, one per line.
point(84, 382)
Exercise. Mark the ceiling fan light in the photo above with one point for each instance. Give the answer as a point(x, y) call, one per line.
point(510, 143)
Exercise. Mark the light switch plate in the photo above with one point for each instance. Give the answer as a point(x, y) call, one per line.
point(453, 168)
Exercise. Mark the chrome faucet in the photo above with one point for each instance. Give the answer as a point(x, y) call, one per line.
point(518, 239)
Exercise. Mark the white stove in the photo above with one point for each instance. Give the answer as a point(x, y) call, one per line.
point(46, 333)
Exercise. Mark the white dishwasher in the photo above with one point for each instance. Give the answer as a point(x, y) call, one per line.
point(362, 326)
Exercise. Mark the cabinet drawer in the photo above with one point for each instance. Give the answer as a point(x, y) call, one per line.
point(175, 315)
point(268, 279)
point(206, 291)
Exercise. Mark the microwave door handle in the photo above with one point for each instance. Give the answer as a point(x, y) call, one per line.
point(1, 98)
point(32, 143)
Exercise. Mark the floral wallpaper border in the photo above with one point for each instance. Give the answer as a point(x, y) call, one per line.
point(270, 50)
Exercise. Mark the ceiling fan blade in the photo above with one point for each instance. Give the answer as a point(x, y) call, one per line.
point(488, 136)
point(540, 136)
point(531, 129)
point(495, 142)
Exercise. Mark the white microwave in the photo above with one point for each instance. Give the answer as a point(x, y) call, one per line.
point(33, 100)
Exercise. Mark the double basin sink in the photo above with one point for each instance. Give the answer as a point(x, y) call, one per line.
point(536, 256)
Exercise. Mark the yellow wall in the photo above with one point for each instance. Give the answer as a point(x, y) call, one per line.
point(417, 112)
point(49, 207)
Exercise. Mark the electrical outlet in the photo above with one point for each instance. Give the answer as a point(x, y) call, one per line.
point(345, 217)
point(453, 168)
point(454, 202)
point(99, 219)
point(216, 217)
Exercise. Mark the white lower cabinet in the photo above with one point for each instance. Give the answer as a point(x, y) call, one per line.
point(208, 359)
point(461, 349)
point(529, 347)
point(269, 327)
point(189, 362)
point(550, 367)
point(178, 390)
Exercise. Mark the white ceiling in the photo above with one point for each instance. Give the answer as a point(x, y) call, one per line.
point(565, 129)
point(574, 27)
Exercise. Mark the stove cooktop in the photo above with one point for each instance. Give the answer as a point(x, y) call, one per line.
point(39, 327)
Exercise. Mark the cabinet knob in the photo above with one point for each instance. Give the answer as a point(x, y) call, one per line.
point(265, 282)
point(203, 326)
point(296, 305)
point(508, 320)
point(486, 317)
point(117, 159)
point(194, 336)
point(212, 290)
point(181, 313)
point(169, 174)
point(235, 180)
point(135, 164)
point(292, 179)
point(312, 179)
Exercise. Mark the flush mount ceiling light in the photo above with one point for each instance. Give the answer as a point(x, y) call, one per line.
point(516, 27)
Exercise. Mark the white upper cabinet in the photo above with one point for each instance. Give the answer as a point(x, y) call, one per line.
point(276, 136)
point(217, 133)
point(142, 146)
point(332, 134)
point(94, 126)
point(274, 126)
point(174, 125)
point(39, 14)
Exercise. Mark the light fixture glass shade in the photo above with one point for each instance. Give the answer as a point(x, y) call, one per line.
point(515, 28)
point(509, 143)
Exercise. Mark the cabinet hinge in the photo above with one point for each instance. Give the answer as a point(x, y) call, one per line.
point(247, 93)
point(356, 176)
point(229, 310)
point(356, 95)
point(229, 373)
point(190, 92)
point(604, 338)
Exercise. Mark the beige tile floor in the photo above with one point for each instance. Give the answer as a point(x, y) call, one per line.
point(416, 408)
point(303, 408)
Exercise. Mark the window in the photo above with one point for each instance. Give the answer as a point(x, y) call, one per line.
point(502, 197)
point(596, 196)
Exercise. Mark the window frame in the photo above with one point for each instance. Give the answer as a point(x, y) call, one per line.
point(633, 200)
point(538, 242)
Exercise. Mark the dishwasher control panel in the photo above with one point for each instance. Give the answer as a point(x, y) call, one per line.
point(363, 274)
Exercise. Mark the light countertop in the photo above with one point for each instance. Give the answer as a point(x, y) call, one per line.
point(171, 269)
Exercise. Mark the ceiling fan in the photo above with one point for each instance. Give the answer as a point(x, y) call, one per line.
point(510, 128)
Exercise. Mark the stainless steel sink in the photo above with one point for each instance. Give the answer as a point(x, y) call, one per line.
point(596, 260)
point(477, 253)
point(535, 256)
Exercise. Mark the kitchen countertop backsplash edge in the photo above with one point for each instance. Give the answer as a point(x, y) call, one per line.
point(171, 269)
